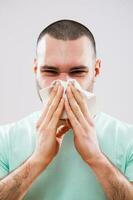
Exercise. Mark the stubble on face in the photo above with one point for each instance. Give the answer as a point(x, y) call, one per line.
point(64, 54)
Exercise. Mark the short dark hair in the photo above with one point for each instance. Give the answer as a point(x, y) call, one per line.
point(67, 30)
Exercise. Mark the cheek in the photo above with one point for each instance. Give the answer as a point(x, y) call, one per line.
point(46, 81)
point(84, 82)
point(43, 81)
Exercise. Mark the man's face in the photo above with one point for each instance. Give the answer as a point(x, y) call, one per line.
point(64, 60)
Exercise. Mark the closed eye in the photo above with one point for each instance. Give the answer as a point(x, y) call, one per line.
point(50, 72)
point(78, 73)
point(72, 73)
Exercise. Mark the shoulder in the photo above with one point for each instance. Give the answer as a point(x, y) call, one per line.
point(115, 138)
point(25, 123)
point(115, 127)
point(105, 118)
point(109, 120)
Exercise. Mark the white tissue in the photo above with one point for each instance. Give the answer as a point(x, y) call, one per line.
point(90, 97)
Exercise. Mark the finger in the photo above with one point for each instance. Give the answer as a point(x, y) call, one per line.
point(75, 108)
point(68, 123)
point(61, 122)
point(53, 92)
point(81, 102)
point(74, 122)
point(56, 115)
point(45, 109)
point(52, 108)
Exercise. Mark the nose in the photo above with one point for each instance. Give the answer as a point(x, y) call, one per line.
point(64, 77)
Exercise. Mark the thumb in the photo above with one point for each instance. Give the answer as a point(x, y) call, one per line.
point(61, 131)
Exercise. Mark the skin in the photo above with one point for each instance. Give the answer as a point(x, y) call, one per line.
point(64, 55)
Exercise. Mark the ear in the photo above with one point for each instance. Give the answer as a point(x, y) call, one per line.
point(97, 69)
point(35, 66)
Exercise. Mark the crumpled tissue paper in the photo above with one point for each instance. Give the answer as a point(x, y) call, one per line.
point(90, 97)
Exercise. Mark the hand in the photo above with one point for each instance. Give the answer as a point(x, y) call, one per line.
point(50, 128)
point(85, 138)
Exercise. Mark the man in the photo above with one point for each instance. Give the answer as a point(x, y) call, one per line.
point(94, 161)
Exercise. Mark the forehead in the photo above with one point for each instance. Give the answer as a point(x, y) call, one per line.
point(57, 52)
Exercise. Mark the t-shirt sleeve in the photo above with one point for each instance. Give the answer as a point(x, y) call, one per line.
point(4, 149)
point(129, 160)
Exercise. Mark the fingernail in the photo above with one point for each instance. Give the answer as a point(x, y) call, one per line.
point(69, 83)
point(54, 82)
point(57, 83)
point(64, 96)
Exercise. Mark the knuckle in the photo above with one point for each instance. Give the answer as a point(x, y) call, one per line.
point(75, 107)
point(57, 99)
point(92, 124)
point(56, 114)
point(54, 90)
point(86, 129)
point(51, 129)
point(70, 113)
point(37, 126)
point(77, 111)
point(70, 95)
point(43, 130)
point(82, 101)
point(59, 93)
point(52, 106)
point(48, 103)
point(51, 97)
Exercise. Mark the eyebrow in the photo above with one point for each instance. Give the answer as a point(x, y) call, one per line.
point(57, 69)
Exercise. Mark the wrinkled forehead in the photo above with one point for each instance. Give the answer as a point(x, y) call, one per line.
point(54, 51)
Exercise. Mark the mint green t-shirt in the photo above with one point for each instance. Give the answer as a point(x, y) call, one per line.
point(67, 177)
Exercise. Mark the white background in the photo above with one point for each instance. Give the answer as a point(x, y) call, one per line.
point(20, 23)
